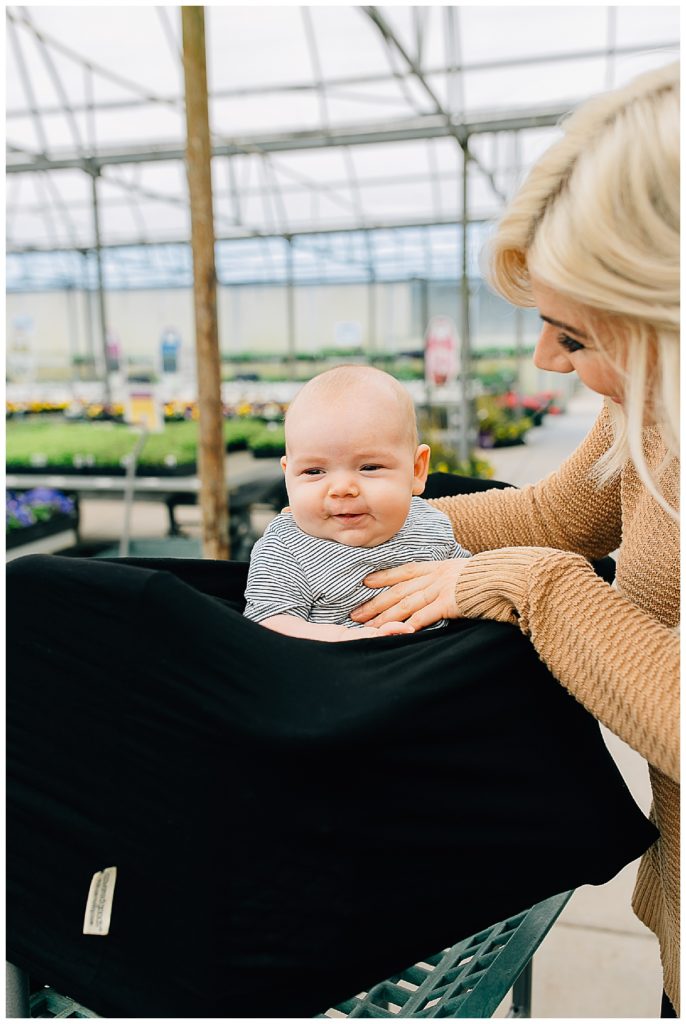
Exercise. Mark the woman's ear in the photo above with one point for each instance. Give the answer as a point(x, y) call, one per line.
point(421, 468)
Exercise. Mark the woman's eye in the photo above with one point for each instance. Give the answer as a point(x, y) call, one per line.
point(571, 344)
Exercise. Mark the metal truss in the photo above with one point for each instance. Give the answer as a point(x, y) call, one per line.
point(259, 186)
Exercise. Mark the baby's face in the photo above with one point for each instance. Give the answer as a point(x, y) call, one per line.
point(350, 478)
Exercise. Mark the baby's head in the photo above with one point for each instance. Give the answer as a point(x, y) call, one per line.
point(352, 459)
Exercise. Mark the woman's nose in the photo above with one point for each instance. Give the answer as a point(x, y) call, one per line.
point(549, 355)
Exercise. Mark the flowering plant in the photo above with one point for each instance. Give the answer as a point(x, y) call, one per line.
point(25, 508)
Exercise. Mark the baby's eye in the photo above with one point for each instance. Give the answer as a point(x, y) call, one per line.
point(370, 468)
point(312, 472)
point(571, 344)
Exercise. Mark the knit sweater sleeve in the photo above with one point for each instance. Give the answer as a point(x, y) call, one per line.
point(617, 660)
point(567, 510)
point(530, 568)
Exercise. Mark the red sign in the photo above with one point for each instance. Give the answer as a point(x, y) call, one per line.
point(441, 351)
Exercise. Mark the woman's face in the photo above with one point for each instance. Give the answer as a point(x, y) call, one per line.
point(564, 346)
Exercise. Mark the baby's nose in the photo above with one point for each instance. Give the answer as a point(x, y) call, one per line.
point(342, 483)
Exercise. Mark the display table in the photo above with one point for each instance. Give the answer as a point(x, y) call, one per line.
point(258, 482)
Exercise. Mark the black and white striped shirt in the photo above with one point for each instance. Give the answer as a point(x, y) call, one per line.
point(292, 573)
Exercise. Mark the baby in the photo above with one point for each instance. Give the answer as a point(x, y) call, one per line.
point(353, 468)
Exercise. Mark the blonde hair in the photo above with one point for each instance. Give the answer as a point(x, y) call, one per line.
point(345, 384)
point(597, 219)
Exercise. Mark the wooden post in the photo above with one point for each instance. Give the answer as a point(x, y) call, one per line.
point(213, 490)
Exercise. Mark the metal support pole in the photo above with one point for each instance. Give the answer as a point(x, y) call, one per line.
point(290, 308)
point(371, 299)
point(129, 486)
point(423, 284)
point(107, 396)
point(17, 1001)
point(72, 327)
point(519, 347)
point(371, 317)
point(521, 993)
point(464, 332)
point(87, 298)
point(423, 305)
point(212, 462)
point(519, 313)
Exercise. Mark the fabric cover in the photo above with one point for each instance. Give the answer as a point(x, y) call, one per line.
point(292, 821)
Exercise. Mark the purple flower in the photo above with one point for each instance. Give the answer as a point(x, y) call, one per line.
point(37, 505)
point(51, 498)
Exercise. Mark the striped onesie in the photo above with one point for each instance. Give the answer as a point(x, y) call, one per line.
point(292, 573)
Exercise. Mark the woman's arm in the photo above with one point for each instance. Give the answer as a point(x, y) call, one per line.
point(566, 510)
point(617, 660)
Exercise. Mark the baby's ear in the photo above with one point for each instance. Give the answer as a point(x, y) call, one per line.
point(283, 463)
point(421, 468)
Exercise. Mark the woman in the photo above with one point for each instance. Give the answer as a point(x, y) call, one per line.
point(592, 240)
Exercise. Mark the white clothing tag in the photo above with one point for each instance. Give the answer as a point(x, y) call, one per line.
point(99, 903)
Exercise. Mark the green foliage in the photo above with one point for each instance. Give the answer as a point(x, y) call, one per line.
point(498, 380)
point(502, 352)
point(95, 444)
point(407, 373)
point(239, 433)
point(273, 366)
point(268, 443)
point(38, 443)
point(282, 357)
point(446, 460)
point(500, 425)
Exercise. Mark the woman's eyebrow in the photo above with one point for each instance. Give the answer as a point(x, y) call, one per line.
point(565, 327)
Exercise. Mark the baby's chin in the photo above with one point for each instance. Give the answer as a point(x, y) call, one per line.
point(361, 542)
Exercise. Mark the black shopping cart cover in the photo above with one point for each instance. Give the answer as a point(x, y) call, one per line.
point(290, 821)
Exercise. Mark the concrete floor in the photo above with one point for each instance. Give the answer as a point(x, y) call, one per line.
point(598, 961)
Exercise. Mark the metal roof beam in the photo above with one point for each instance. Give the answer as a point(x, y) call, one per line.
point(456, 129)
point(354, 80)
point(294, 187)
point(67, 110)
point(389, 38)
point(126, 83)
point(421, 222)
point(429, 127)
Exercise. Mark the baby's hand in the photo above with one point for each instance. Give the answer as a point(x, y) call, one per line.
point(388, 629)
point(393, 628)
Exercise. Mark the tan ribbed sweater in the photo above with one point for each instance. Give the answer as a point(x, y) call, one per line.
point(616, 648)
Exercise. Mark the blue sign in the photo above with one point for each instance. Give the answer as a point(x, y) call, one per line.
point(170, 349)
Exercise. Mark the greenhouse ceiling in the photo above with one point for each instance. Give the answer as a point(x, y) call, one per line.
point(324, 119)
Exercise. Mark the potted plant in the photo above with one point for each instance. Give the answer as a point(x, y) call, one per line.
point(37, 513)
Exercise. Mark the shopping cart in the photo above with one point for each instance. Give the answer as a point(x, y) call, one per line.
point(471, 979)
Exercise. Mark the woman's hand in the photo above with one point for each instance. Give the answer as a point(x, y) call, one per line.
point(420, 594)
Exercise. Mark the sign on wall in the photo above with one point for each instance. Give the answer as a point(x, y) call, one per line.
point(143, 408)
point(170, 350)
point(21, 349)
point(441, 351)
